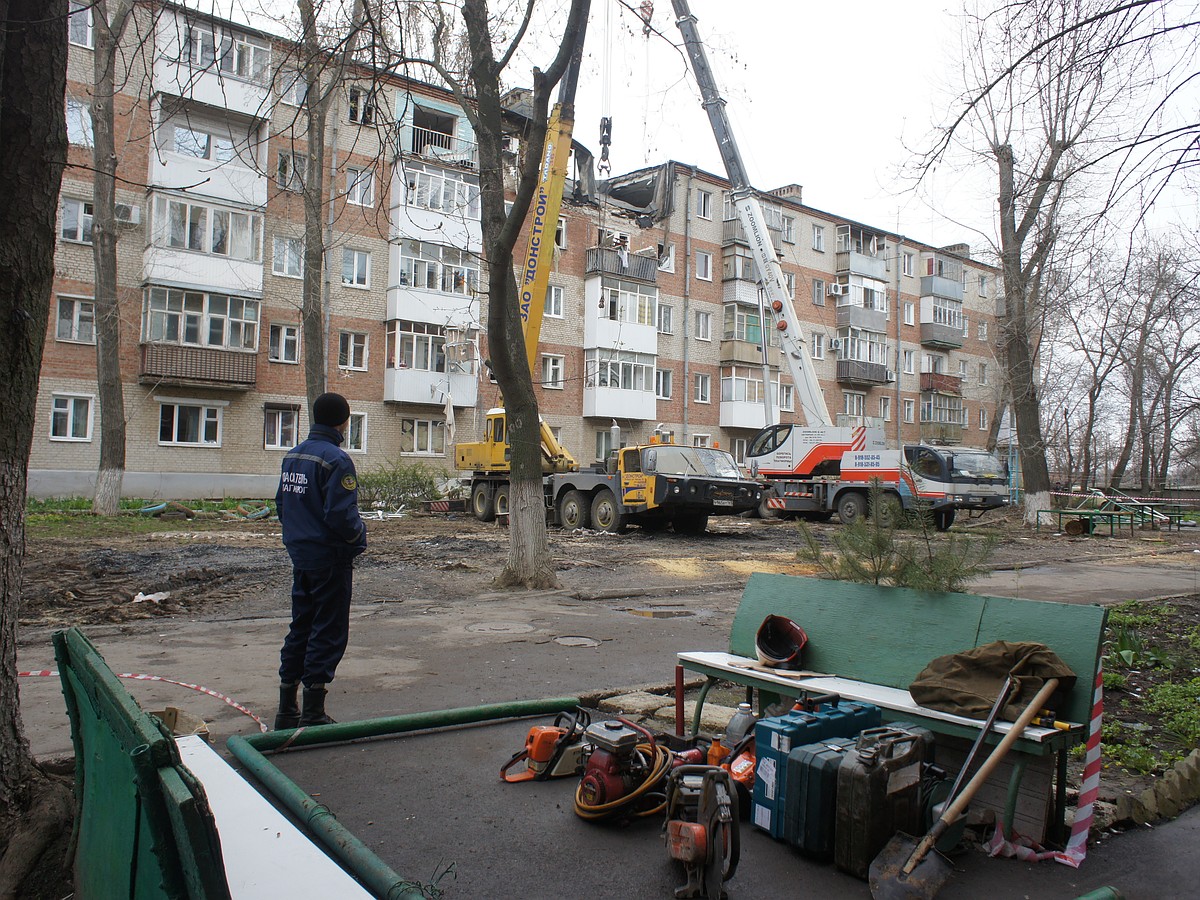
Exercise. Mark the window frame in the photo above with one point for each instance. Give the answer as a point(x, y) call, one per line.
point(199, 312)
point(84, 217)
point(71, 418)
point(360, 186)
point(348, 350)
point(293, 248)
point(553, 365)
point(282, 342)
point(817, 345)
point(708, 257)
point(80, 124)
point(352, 253)
point(362, 106)
point(77, 302)
point(560, 234)
point(885, 407)
point(291, 180)
point(356, 433)
point(279, 433)
point(703, 318)
point(665, 323)
point(910, 410)
point(75, 9)
point(555, 302)
point(818, 238)
point(818, 291)
point(663, 378)
point(907, 259)
point(431, 427)
point(910, 313)
point(908, 359)
point(704, 204)
point(701, 387)
point(205, 407)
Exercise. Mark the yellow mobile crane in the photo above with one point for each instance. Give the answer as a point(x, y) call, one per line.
point(652, 485)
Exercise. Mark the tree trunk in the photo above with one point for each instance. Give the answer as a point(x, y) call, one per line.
point(312, 306)
point(111, 472)
point(33, 143)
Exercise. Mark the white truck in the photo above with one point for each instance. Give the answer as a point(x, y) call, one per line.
point(820, 468)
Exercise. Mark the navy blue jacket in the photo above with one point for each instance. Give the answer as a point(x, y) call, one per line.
point(317, 502)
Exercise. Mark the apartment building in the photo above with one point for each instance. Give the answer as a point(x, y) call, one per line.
point(652, 316)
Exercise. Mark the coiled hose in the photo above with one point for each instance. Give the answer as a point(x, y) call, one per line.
point(645, 792)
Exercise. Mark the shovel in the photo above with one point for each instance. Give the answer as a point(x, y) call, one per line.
point(904, 869)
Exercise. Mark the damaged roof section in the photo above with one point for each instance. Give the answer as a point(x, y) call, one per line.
point(581, 183)
point(646, 195)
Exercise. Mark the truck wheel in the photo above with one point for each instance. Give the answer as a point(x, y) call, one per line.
point(765, 512)
point(891, 511)
point(851, 507)
point(606, 513)
point(482, 502)
point(943, 519)
point(574, 509)
point(501, 499)
point(691, 524)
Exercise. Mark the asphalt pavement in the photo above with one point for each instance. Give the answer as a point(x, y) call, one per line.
point(426, 802)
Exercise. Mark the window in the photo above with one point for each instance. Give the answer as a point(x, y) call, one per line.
point(789, 229)
point(192, 141)
point(666, 257)
point(76, 320)
point(619, 369)
point(703, 388)
point(701, 440)
point(288, 258)
point(362, 106)
point(704, 265)
point(426, 437)
point(966, 416)
point(79, 123)
point(818, 238)
point(283, 343)
point(293, 89)
point(742, 323)
point(703, 326)
point(356, 268)
point(356, 433)
point(818, 292)
point(560, 234)
point(910, 410)
point(291, 171)
point(222, 232)
point(200, 319)
point(738, 449)
point(79, 25)
point(962, 369)
point(909, 358)
point(966, 327)
point(552, 371)
point(428, 348)
point(662, 384)
point(885, 408)
point(983, 373)
point(818, 346)
point(189, 423)
point(906, 263)
point(280, 426)
point(933, 362)
point(983, 419)
point(352, 351)
point(786, 397)
point(242, 59)
point(983, 331)
point(76, 220)
point(982, 284)
point(360, 186)
point(71, 418)
point(666, 319)
point(442, 190)
point(854, 403)
point(789, 282)
point(604, 444)
point(554, 301)
point(704, 204)
point(629, 301)
point(910, 313)
point(437, 267)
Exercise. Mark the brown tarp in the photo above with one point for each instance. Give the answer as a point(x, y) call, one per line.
point(967, 683)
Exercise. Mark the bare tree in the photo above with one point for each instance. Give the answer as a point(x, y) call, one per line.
point(33, 145)
point(1045, 82)
point(109, 23)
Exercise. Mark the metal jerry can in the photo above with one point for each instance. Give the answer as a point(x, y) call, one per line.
point(879, 786)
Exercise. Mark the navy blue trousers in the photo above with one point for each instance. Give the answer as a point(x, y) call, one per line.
point(320, 628)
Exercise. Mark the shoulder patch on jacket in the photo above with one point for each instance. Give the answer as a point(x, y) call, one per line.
point(349, 483)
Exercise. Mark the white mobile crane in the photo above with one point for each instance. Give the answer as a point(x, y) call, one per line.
point(823, 468)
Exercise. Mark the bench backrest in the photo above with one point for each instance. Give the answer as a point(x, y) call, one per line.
point(887, 635)
point(144, 827)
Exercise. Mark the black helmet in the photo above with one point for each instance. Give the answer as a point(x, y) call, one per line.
point(779, 642)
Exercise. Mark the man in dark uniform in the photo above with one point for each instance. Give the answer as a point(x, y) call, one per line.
point(317, 503)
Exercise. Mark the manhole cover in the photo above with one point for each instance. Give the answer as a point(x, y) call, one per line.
point(499, 628)
point(575, 640)
point(661, 613)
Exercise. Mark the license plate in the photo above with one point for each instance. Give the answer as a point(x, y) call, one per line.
point(722, 503)
point(974, 499)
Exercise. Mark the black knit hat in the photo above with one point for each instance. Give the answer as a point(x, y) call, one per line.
point(330, 409)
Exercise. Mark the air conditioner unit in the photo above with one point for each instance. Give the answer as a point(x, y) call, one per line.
point(835, 289)
point(835, 343)
point(128, 214)
point(891, 375)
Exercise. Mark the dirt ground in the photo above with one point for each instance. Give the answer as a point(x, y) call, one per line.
point(84, 571)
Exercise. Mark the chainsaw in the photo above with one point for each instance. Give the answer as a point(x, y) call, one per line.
point(701, 829)
point(550, 751)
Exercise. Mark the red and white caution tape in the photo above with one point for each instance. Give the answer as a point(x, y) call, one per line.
point(137, 676)
point(1026, 850)
point(1177, 501)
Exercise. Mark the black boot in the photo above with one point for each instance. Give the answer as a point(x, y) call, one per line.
point(289, 712)
point(314, 706)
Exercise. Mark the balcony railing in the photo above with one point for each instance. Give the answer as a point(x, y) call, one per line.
point(854, 371)
point(732, 230)
point(940, 383)
point(941, 432)
point(444, 148)
point(602, 260)
point(204, 366)
point(936, 335)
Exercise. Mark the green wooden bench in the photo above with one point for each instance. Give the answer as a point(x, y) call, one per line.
point(1089, 518)
point(873, 641)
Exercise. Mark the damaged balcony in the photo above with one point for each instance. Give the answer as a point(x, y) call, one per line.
point(939, 383)
point(605, 261)
point(198, 367)
point(440, 147)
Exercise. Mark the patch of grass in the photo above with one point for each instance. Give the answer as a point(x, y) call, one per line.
point(1114, 681)
point(1192, 637)
point(1127, 749)
point(1178, 703)
point(1136, 614)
